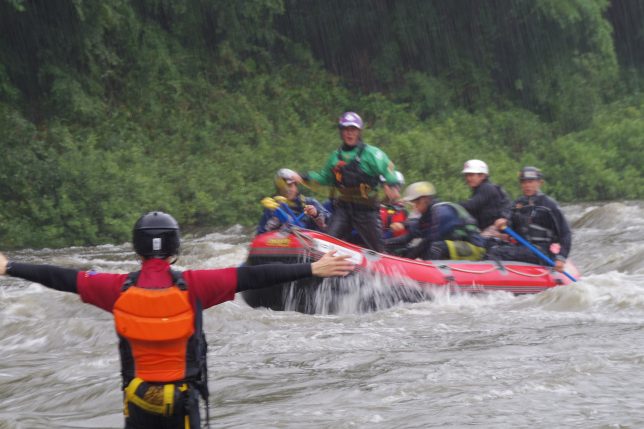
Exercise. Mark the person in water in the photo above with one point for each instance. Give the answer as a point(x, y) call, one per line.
point(539, 219)
point(316, 215)
point(354, 170)
point(488, 202)
point(158, 317)
point(438, 230)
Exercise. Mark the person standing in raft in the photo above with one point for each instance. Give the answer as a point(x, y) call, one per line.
point(158, 317)
point(354, 170)
point(537, 218)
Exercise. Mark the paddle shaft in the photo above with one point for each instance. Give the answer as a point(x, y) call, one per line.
point(295, 219)
point(534, 250)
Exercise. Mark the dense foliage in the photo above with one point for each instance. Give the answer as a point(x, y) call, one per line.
point(110, 109)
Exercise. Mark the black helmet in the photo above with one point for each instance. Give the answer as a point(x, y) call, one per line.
point(530, 173)
point(156, 235)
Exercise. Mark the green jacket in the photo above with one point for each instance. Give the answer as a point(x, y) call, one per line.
point(373, 164)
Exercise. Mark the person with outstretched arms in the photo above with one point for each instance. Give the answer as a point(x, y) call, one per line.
point(158, 317)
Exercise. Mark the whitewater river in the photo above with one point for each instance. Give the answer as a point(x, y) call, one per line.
point(570, 357)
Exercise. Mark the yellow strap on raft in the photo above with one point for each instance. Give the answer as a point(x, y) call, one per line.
point(164, 409)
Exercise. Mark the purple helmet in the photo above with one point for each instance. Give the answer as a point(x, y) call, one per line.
point(350, 119)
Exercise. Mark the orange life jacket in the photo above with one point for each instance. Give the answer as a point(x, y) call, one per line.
point(161, 338)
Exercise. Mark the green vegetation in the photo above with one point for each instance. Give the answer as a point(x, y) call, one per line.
point(110, 109)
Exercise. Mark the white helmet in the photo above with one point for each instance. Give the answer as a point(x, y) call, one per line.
point(475, 166)
point(400, 179)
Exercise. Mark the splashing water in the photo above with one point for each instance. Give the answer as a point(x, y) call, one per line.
point(568, 357)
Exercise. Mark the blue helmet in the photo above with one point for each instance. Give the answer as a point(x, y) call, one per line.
point(350, 119)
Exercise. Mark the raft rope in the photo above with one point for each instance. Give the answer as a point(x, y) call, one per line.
point(463, 270)
point(543, 273)
point(304, 239)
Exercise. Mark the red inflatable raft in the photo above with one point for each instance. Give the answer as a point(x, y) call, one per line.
point(397, 279)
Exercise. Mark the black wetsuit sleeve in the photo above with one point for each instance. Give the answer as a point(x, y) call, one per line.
point(562, 228)
point(260, 276)
point(63, 279)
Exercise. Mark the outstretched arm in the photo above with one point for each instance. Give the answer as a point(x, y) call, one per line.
point(261, 276)
point(63, 279)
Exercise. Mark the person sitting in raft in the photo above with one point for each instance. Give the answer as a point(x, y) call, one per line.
point(438, 230)
point(317, 217)
point(539, 219)
point(158, 317)
point(488, 202)
point(393, 212)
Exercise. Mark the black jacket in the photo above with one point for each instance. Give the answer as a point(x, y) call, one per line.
point(540, 220)
point(488, 203)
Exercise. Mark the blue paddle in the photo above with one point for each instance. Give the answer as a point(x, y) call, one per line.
point(284, 205)
point(534, 250)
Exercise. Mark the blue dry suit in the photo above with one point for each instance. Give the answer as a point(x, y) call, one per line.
point(270, 222)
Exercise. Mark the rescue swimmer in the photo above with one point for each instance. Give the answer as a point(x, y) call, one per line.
point(158, 317)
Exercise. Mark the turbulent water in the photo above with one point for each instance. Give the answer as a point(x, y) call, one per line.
point(572, 356)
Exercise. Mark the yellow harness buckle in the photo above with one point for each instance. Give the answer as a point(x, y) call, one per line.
point(157, 399)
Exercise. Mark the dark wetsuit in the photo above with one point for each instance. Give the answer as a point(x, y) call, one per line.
point(488, 203)
point(539, 220)
point(208, 287)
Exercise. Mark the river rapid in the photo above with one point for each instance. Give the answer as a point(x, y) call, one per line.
point(572, 356)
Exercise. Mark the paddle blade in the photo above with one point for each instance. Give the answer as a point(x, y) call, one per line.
point(270, 203)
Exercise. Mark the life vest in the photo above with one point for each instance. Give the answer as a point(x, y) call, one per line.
point(392, 213)
point(352, 183)
point(535, 221)
point(160, 333)
point(465, 227)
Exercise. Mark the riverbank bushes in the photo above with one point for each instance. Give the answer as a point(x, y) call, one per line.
point(112, 109)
